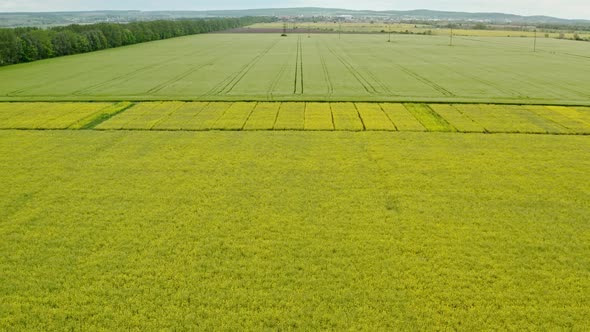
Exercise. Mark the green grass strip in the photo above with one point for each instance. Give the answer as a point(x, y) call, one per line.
point(102, 116)
point(431, 120)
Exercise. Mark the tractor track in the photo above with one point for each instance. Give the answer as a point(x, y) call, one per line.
point(357, 75)
point(426, 81)
point(327, 75)
point(228, 84)
point(177, 78)
point(125, 77)
point(298, 82)
point(276, 80)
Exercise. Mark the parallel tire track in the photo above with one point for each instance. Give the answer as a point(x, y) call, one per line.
point(471, 77)
point(227, 85)
point(125, 77)
point(177, 78)
point(276, 80)
point(15, 93)
point(427, 82)
point(298, 83)
point(363, 81)
point(384, 87)
point(326, 74)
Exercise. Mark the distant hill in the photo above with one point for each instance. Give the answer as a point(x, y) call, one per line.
point(65, 18)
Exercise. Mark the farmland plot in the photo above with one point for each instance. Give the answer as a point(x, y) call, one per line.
point(291, 117)
point(168, 115)
point(182, 117)
point(318, 116)
point(346, 117)
point(460, 121)
point(138, 230)
point(235, 116)
point(402, 118)
point(320, 68)
point(373, 117)
point(263, 117)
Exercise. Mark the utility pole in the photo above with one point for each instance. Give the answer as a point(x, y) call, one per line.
point(340, 30)
point(389, 26)
point(535, 43)
point(308, 30)
point(451, 42)
point(284, 29)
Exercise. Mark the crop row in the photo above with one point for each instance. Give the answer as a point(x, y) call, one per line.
point(347, 116)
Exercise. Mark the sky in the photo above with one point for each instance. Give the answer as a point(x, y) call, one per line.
point(559, 8)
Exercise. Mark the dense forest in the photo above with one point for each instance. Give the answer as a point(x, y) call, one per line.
point(29, 44)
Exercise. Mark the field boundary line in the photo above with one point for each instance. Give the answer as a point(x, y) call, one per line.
point(580, 134)
point(274, 124)
point(304, 111)
point(387, 115)
point(381, 99)
point(249, 116)
point(332, 115)
point(358, 113)
point(436, 101)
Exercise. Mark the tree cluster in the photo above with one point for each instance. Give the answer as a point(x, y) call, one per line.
point(29, 44)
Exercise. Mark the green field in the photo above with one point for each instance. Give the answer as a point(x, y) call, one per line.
point(355, 68)
point(144, 230)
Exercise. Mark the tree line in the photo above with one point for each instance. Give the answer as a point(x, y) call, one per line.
point(30, 44)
